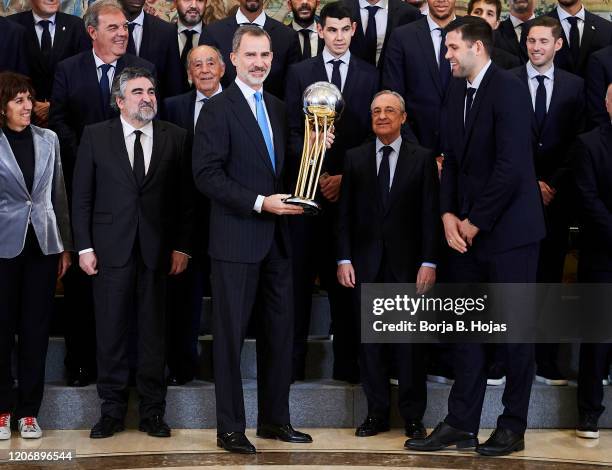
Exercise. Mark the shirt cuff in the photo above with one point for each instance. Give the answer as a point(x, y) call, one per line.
point(182, 253)
point(429, 265)
point(258, 203)
point(344, 261)
point(86, 250)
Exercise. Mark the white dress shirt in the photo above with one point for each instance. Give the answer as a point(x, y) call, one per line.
point(565, 24)
point(475, 84)
point(329, 68)
point(381, 18)
point(313, 35)
point(39, 29)
point(259, 21)
point(516, 23)
point(137, 34)
point(111, 71)
point(436, 37)
point(199, 103)
point(549, 82)
point(182, 39)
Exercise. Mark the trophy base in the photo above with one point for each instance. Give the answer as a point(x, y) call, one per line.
point(310, 207)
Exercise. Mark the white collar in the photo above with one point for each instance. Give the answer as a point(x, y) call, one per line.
point(432, 24)
point(200, 95)
point(246, 90)
point(563, 15)
point(395, 145)
point(99, 62)
point(128, 129)
point(479, 77)
point(516, 22)
point(181, 27)
point(259, 21)
point(383, 4)
point(139, 20)
point(346, 57)
point(532, 72)
point(37, 18)
point(298, 28)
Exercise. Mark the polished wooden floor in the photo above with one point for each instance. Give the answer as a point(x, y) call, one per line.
point(337, 448)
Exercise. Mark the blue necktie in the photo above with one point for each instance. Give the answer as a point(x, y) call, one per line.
point(105, 87)
point(263, 125)
point(540, 101)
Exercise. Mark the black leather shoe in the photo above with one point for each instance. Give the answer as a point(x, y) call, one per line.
point(284, 433)
point(154, 426)
point(106, 427)
point(501, 442)
point(78, 378)
point(372, 426)
point(176, 380)
point(442, 437)
point(235, 442)
point(415, 430)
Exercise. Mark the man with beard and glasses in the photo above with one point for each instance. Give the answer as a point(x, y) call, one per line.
point(305, 24)
point(511, 35)
point(583, 34)
point(285, 43)
point(189, 25)
point(132, 215)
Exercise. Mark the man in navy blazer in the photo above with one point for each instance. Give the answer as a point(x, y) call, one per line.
point(358, 82)
point(493, 221)
point(285, 43)
point(598, 77)
point(511, 35)
point(592, 32)
point(415, 67)
point(305, 24)
point(12, 53)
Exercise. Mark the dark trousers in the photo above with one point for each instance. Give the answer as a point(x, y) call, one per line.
point(236, 287)
point(467, 394)
point(27, 287)
point(120, 293)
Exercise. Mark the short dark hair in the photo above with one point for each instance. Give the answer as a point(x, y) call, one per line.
point(11, 84)
point(547, 22)
point(251, 30)
point(334, 10)
point(472, 29)
point(497, 3)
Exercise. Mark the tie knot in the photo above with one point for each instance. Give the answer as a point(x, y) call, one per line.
point(372, 9)
point(257, 96)
point(131, 27)
point(470, 92)
point(305, 32)
point(540, 79)
point(572, 20)
point(105, 68)
point(386, 151)
point(137, 134)
point(442, 32)
point(189, 33)
point(336, 63)
point(44, 24)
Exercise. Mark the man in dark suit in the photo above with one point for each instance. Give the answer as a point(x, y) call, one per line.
point(189, 25)
point(285, 43)
point(389, 231)
point(12, 54)
point(415, 67)
point(557, 97)
point(313, 251)
point(132, 217)
point(185, 292)
point(238, 160)
point(583, 33)
point(594, 181)
point(493, 221)
point(598, 76)
point(51, 37)
point(511, 35)
point(154, 40)
point(376, 20)
point(81, 96)
point(305, 24)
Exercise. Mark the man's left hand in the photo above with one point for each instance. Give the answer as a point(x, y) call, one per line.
point(468, 231)
point(178, 263)
point(330, 187)
point(426, 278)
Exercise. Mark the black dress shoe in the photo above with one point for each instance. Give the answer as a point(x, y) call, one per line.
point(235, 442)
point(501, 442)
point(415, 430)
point(442, 437)
point(372, 426)
point(284, 433)
point(177, 380)
point(78, 378)
point(106, 427)
point(154, 426)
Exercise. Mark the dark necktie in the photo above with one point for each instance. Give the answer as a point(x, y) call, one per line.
point(139, 166)
point(384, 175)
point(336, 78)
point(105, 88)
point(45, 39)
point(371, 35)
point(469, 99)
point(307, 50)
point(540, 102)
point(574, 39)
point(189, 34)
point(444, 64)
point(131, 49)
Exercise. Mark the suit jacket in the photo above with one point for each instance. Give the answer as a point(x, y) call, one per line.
point(320, 45)
point(285, 46)
point(505, 39)
point(504, 59)
point(594, 181)
point(110, 212)
point(70, 38)
point(46, 206)
point(400, 13)
point(12, 52)
point(408, 232)
point(596, 35)
point(231, 166)
point(354, 124)
point(598, 77)
point(77, 101)
point(488, 173)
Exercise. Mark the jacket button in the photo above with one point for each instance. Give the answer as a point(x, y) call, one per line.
point(539, 144)
point(28, 203)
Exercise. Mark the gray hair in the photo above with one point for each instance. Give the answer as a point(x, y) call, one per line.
point(120, 82)
point(392, 93)
point(251, 30)
point(219, 55)
point(92, 15)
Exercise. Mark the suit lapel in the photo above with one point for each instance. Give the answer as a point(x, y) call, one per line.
point(427, 48)
point(403, 168)
point(42, 151)
point(159, 145)
point(351, 77)
point(119, 149)
point(588, 34)
point(279, 147)
point(319, 71)
point(144, 42)
point(60, 36)
point(90, 74)
point(372, 174)
point(8, 159)
point(525, 81)
point(480, 94)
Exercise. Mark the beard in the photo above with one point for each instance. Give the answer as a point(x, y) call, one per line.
point(145, 113)
point(252, 6)
point(187, 21)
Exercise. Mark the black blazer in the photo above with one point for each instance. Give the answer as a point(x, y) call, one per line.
point(596, 35)
point(110, 212)
point(76, 101)
point(408, 232)
point(504, 59)
point(320, 44)
point(232, 167)
point(598, 77)
point(70, 39)
point(12, 52)
point(285, 46)
point(400, 13)
point(505, 39)
point(354, 124)
point(488, 173)
point(179, 110)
